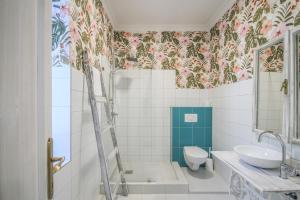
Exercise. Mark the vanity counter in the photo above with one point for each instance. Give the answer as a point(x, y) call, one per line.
point(263, 180)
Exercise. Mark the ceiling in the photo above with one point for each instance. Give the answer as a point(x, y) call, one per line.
point(165, 15)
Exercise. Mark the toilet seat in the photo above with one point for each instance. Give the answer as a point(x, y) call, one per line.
point(194, 157)
point(195, 152)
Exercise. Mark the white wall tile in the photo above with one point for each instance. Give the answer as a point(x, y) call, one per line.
point(232, 117)
point(146, 113)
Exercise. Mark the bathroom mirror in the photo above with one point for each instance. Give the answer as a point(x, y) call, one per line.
point(271, 87)
point(295, 86)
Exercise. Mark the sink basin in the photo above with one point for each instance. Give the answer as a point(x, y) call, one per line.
point(259, 157)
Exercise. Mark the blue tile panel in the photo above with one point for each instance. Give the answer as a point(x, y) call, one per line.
point(190, 134)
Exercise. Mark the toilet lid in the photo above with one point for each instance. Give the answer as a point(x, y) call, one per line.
point(196, 152)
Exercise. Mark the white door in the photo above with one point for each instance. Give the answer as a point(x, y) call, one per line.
point(26, 101)
point(18, 76)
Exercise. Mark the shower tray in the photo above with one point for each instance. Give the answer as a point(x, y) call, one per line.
point(154, 178)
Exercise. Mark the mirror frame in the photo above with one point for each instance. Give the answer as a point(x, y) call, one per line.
point(286, 72)
point(294, 137)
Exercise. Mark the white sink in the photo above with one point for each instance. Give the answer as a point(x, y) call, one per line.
point(259, 157)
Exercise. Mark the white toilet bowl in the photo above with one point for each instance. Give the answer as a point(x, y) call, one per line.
point(194, 157)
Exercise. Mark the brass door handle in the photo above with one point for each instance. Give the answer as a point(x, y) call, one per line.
point(52, 169)
point(57, 167)
point(285, 87)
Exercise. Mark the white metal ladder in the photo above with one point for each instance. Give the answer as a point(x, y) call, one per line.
point(111, 127)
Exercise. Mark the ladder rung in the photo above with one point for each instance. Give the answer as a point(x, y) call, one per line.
point(107, 128)
point(100, 99)
point(112, 154)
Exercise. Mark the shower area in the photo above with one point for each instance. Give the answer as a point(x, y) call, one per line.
point(141, 101)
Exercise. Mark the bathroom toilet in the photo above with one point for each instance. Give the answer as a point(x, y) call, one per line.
point(194, 157)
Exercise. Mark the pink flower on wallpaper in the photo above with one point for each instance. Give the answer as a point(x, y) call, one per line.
point(202, 50)
point(128, 65)
point(236, 69)
point(152, 50)
point(266, 27)
point(207, 55)
point(178, 65)
point(280, 30)
point(221, 63)
point(89, 7)
point(127, 34)
point(64, 10)
point(185, 72)
point(80, 18)
point(135, 41)
point(177, 34)
point(204, 79)
point(222, 26)
point(244, 30)
point(74, 31)
point(294, 4)
point(244, 75)
point(93, 27)
point(184, 41)
point(268, 52)
point(159, 56)
point(237, 24)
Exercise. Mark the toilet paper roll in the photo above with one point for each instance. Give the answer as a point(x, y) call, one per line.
point(209, 165)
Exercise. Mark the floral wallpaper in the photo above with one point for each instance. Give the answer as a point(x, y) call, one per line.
point(60, 33)
point(76, 25)
point(271, 59)
point(201, 59)
point(222, 56)
point(186, 52)
point(248, 24)
point(90, 28)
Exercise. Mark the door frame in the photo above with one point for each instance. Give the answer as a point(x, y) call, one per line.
point(44, 43)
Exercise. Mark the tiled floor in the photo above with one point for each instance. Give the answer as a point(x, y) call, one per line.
point(175, 197)
point(204, 181)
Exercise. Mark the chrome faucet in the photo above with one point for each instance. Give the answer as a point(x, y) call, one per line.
point(283, 148)
point(284, 168)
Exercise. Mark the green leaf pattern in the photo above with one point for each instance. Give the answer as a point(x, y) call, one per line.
point(60, 34)
point(222, 56)
point(201, 59)
point(90, 29)
point(271, 59)
point(185, 52)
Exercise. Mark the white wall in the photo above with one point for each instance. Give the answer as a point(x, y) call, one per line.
point(143, 101)
point(232, 115)
point(232, 119)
